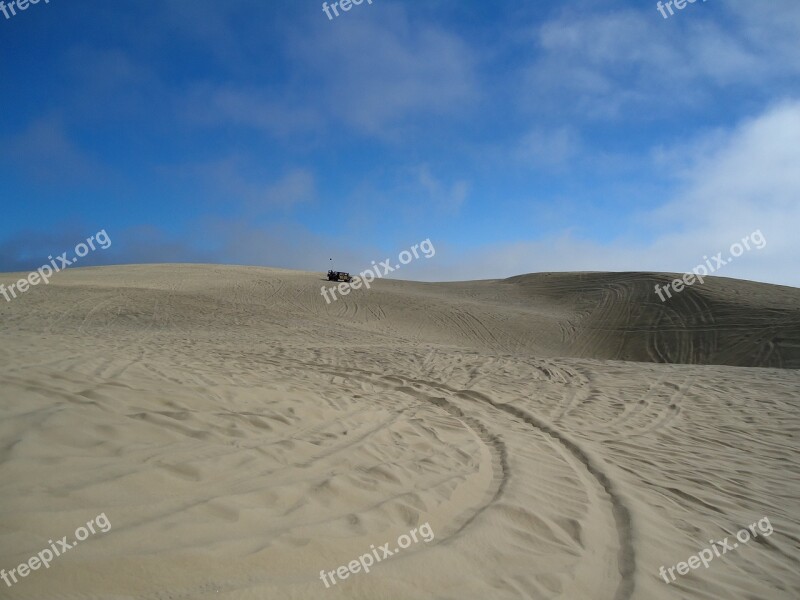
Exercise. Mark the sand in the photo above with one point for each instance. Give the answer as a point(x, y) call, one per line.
point(565, 435)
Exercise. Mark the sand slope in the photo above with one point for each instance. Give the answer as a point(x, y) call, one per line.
point(241, 435)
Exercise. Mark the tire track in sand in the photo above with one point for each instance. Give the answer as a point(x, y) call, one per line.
point(626, 557)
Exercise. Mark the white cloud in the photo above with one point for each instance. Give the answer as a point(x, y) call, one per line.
point(748, 181)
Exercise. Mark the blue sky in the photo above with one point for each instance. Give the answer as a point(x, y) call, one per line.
point(517, 137)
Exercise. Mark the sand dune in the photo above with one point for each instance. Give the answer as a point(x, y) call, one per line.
point(565, 435)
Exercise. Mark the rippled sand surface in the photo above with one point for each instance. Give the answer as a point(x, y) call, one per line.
point(564, 435)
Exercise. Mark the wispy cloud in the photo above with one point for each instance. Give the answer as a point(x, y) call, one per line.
point(245, 187)
point(379, 69)
point(46, 154)
point(267, 111)
point(610, 64)
point(748, 180)
point(448, 198)
point(549, 148)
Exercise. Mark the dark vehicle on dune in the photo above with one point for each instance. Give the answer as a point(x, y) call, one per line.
point(339, 276)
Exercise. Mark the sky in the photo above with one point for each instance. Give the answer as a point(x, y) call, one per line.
point(517, 137)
